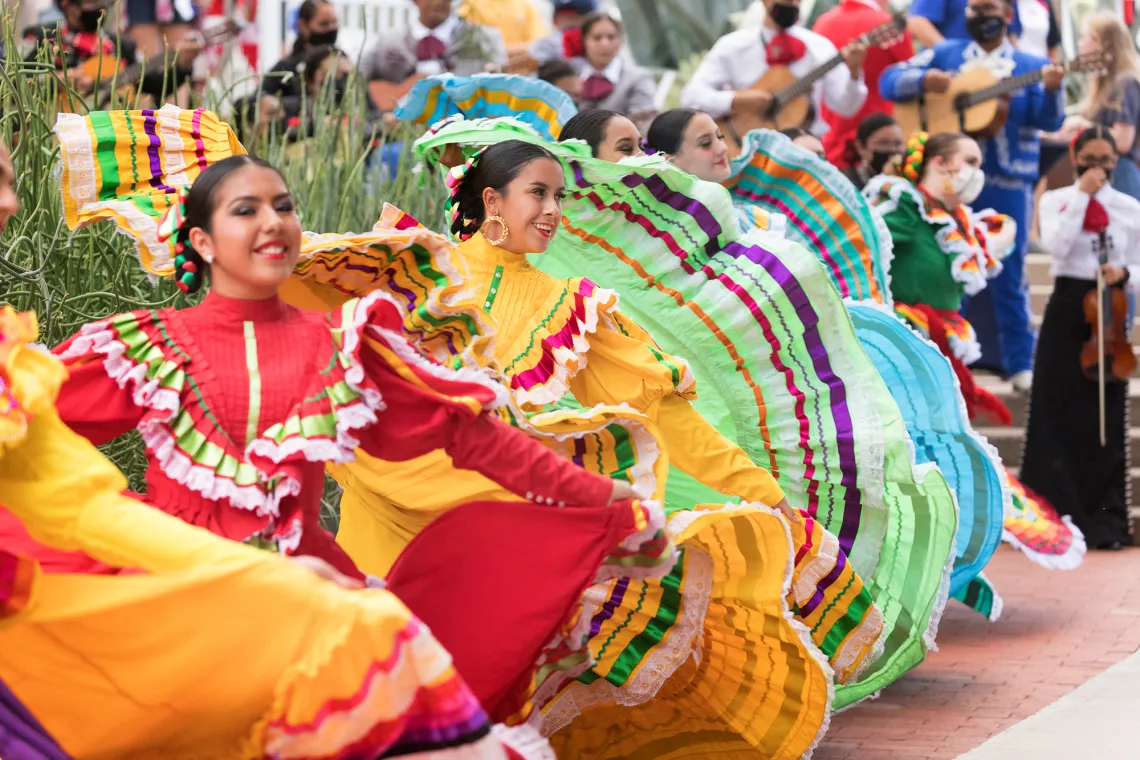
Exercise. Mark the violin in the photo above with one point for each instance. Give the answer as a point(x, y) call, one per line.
point(1106, 312)
point(1107, 355)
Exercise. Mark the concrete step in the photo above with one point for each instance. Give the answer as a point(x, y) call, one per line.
point(1009, 441)
point(1018, 403)
point(1133, 512)
point(1035, 320)
point(1037, 268)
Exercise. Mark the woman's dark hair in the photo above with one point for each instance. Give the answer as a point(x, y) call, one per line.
point(593, 19)
point(555, 69)
point(667, 131)
point(201, 202)
point(589, 125)
point(1095, 132)
point(867, 127)
point(873, 124)
point(306, 13)
point(315, 59)
point(496, 168)
point(794, 133)
point(940, 145)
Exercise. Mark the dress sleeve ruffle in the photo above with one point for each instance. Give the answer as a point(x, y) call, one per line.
point(590, 348)
point(821, 209)
point(419, 269)
point(155, 152)
point(140, 353)
point(976, 255)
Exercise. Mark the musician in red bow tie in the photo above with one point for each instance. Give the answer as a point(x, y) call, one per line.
point(842, 24)
point(724, 83)
point(608, 81)
point(1088, 228)
point(435, 42)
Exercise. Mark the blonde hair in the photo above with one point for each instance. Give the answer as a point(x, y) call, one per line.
point(1116, 44)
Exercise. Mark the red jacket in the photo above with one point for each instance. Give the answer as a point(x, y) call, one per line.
point(843, 24)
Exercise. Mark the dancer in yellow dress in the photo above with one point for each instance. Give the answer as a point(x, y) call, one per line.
point(758, 683)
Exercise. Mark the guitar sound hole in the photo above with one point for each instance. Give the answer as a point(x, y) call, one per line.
point(961, 101)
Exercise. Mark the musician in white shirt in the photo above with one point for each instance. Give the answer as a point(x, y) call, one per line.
point(721, 84)
point(1064, 460)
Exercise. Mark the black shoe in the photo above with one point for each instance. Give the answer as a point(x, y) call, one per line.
point(1110, 546)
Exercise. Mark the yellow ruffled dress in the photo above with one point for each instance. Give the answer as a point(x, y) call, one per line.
point(710, 659)
point(216, 650)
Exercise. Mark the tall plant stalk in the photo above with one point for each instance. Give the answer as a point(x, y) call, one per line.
point(70, 279)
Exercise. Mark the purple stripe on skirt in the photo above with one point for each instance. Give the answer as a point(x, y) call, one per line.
point(150, 126)
point(21, 735)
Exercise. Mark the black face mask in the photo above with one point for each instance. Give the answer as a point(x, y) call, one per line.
point(327, 37)
point(785, 15)
point(1107, 172)
point(880, 159)
point(89, 19)
point(985, 29)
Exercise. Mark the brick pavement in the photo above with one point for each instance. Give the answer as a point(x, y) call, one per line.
point(1058, 630)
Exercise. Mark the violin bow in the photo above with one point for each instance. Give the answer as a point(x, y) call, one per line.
point(1100, 333)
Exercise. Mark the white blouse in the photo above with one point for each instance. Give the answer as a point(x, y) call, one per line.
point(1062, 214)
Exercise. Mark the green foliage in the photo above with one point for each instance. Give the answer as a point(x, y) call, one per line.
point(70, 279)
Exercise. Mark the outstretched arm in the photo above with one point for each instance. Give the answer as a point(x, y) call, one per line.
point(418, 420)
point(700, 450)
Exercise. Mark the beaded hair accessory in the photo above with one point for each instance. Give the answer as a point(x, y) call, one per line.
point(454, 182)
point(911, 167)
point(186, 274)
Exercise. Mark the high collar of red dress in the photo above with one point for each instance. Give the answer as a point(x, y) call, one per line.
point(244, 310)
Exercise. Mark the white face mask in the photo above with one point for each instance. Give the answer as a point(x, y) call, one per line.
point(968, 183)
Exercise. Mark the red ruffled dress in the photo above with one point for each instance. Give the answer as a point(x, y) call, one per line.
point(242, 403)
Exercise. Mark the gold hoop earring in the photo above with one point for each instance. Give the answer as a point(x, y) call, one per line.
point(947, 185)
point(501, 222)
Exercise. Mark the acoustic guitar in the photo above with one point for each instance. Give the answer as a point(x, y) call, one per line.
point(112, 76)
point(791, 104)
point(977, 102)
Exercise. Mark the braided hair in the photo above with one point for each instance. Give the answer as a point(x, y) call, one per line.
point(496, 167)
point(199, 204)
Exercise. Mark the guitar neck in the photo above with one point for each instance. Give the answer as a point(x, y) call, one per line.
point(1004, 87)
point(804, 84)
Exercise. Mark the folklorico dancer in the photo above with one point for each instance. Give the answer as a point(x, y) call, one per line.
point(796, 415)
point(764, 291)
point(1000, 313)
point(1088, 226)
point(849, 238)
point(345, 671)
point(241, 451)
point(557, 337)
point(943, 250)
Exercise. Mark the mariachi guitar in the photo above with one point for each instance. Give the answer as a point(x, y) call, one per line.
point(791, 95)
point(977, 102)
point(114, 79)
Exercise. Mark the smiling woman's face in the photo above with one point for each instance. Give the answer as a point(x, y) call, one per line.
point(703, 152)
point(531, 205)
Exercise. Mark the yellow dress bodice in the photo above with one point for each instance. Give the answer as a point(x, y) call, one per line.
point(552, 339)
